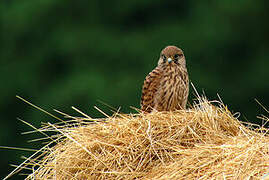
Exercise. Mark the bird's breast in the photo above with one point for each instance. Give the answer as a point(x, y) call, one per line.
point(172, 89)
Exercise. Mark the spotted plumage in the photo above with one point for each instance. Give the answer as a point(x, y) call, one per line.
point(166, 88)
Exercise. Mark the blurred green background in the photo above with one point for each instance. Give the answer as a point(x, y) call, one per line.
point(62, 53)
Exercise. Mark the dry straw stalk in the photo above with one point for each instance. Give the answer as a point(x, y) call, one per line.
point(204, 142)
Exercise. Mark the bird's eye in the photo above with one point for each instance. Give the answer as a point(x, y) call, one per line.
point(176, 56)
point(164, 58)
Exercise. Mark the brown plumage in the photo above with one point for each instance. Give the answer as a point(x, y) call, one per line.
point(166, 88)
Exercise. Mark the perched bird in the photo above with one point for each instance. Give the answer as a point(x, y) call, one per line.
point(166, 88)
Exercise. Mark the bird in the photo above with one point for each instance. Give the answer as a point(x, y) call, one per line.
point(166, 88)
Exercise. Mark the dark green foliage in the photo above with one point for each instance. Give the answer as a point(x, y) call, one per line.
point(59, 54)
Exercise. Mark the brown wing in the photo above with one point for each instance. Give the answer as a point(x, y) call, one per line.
point(149, 89)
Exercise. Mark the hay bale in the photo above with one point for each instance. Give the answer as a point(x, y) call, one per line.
point(204, 142)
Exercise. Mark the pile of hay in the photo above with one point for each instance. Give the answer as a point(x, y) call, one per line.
point(204, 142)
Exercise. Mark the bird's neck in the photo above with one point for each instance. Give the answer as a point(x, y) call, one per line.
point(171, 68)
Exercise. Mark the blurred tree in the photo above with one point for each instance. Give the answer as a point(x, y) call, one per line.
point(59, 54)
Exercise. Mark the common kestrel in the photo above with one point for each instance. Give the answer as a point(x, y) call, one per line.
point(166, 88)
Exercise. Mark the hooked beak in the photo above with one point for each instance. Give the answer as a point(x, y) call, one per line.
point(169, 60)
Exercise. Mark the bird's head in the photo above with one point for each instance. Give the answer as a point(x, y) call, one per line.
point(172, 55)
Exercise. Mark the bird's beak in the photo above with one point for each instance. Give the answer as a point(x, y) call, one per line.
point(169, 60)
